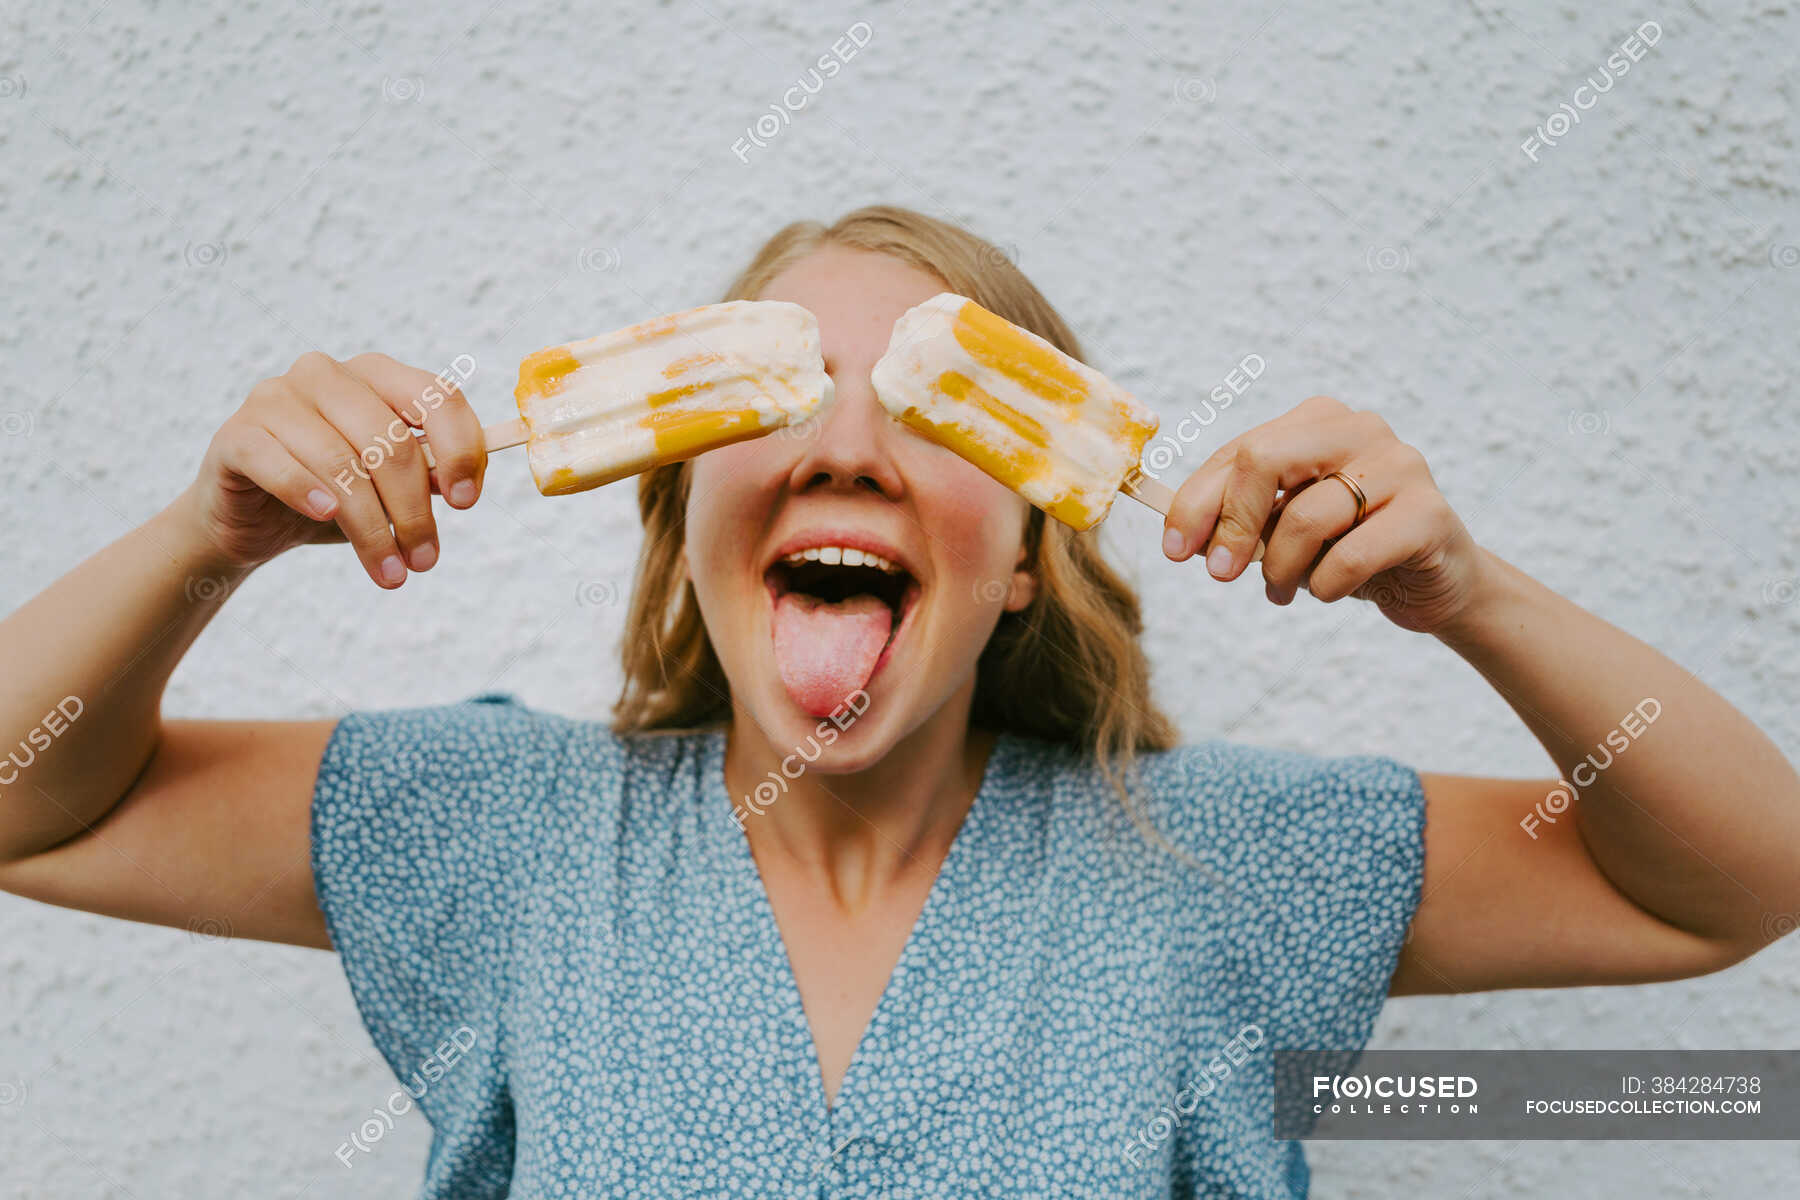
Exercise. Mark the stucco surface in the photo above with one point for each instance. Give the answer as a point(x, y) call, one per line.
point(1593, 350)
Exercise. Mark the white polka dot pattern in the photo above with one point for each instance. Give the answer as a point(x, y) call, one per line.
point(1055, 1026)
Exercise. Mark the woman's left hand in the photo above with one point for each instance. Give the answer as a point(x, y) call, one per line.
point(1410, 554)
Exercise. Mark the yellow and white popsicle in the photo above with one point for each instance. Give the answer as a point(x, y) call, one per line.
point(1050, 427)
point(666, 389)
point(1054, 430)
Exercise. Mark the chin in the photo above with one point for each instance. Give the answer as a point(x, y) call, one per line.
point(850, 736)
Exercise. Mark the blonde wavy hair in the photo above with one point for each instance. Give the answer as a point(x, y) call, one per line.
point(1067, 668)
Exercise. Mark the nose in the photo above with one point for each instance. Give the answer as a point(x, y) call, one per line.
point(850, 447)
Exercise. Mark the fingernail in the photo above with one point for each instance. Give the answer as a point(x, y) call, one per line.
point(1218, 561)
point(392, 569)
point(1173, 543)
point(319, 500)
point(462, 493)
point(423, 556)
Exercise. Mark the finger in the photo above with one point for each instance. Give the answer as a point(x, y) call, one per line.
point(318, 445)
point(1255, 477)
point(1382, 542)
point(389, 454)
point(1319, 511)
point(258, 456)
point(1308, 412)
point(1227, 503)
point(435, 404)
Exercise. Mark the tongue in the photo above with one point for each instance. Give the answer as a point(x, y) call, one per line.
point(826, 651)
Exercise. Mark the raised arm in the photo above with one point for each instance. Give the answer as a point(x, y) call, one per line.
point(105, 806)
point(1669, 847)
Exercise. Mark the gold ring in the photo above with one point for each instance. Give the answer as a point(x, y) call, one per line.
point(1362, 501)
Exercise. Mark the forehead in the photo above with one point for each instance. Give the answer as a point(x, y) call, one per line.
point(857, 295)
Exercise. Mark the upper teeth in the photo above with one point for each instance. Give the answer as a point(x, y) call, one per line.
point(833, 556)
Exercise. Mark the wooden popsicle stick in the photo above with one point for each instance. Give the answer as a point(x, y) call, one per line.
point(1156, 494)
point(501, 435)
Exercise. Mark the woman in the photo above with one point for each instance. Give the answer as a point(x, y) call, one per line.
point(888, 879)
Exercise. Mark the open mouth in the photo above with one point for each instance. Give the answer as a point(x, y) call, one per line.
point(810, 574)
point(839, 610)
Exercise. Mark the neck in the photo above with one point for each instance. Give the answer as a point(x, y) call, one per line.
point(860, 831)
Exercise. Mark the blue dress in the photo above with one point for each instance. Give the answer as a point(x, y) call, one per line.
point(558, 939)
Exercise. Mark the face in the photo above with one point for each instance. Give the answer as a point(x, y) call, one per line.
point(800, 635)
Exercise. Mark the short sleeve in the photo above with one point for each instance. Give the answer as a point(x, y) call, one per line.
point(1320, 862)
point(425, 824)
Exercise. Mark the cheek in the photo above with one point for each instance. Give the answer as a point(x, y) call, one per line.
point(978, 520)
point(716, 516)
point(729, 490)
point(729, 473)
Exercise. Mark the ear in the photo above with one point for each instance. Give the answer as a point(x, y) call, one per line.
point(1023, 588)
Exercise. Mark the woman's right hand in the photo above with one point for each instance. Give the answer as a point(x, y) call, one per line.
point(326, 453)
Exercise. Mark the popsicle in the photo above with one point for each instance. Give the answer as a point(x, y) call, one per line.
point(1050, 427)
point(598, 410)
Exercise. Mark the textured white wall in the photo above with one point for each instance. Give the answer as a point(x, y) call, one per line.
point(1592, 350)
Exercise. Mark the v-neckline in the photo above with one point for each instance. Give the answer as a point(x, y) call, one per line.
point(962, 846)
